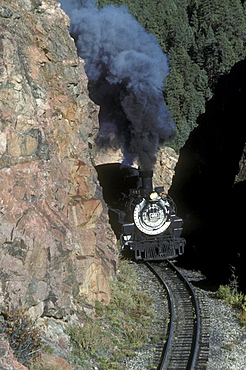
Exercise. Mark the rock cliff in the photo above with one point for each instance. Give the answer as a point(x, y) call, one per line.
point(56, 243)
point(57, 249)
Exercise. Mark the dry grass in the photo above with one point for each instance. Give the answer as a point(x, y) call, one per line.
point(119, 328)
point(24, 338)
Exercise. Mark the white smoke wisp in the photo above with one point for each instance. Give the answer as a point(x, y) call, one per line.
point(126, 69)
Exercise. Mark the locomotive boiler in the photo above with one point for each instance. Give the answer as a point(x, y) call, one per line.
point(147, 223)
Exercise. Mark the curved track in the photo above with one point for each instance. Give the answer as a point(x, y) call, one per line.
point(182, 349)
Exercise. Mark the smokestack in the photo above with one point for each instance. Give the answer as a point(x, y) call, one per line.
point(126, 68)
point(147, 185)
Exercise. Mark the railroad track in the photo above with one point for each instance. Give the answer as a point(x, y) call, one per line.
point(186, 346)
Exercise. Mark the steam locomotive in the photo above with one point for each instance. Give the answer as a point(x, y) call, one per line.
point(145, 220)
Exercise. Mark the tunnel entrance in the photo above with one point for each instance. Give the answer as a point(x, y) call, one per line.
point(116, 181)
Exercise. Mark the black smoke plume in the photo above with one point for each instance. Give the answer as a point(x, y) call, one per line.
point(126, 68)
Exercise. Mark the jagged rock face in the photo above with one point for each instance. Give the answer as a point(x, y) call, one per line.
point(7, 359)
point(166, 161)
point(55, 239)
point(103, 155)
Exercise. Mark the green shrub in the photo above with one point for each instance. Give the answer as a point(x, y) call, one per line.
point(87, 337)
point(235, 299)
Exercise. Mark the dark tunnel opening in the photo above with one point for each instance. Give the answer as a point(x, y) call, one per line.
point(116, 181)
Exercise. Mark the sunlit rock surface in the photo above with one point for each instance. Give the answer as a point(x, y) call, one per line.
point(56, 243)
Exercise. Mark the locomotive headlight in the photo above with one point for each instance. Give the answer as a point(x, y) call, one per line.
point(154, 195)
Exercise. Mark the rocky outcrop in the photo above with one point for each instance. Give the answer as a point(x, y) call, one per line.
point(7, 359)
point(56, 243)
point(241, 176)
point(103, 155)
point(164, 170)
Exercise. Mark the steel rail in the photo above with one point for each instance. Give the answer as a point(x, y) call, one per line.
point(197, 320)
point(171, 312)
point(167, 349)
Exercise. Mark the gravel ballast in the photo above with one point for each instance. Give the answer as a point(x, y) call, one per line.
point(227, 344)
point(227, 338)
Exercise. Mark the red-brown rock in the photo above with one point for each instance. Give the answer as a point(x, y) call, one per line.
point(51, 362)
point(7, 359)
point(165, 167)
point(55, 239)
